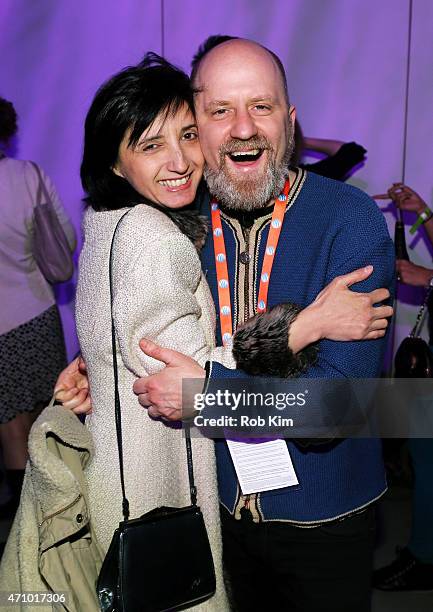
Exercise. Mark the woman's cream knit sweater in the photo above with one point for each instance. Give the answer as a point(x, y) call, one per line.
point(161, 294)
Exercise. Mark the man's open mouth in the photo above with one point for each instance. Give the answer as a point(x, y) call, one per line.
point(246, 156)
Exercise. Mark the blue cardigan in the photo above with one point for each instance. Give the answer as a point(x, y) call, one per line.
point(330, 228)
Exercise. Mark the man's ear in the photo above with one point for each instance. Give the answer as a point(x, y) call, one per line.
point(117, 171)
point(292, 114)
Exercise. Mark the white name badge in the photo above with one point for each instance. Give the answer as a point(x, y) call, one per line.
point(262, 466)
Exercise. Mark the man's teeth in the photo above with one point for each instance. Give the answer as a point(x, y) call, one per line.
point(250, 152)
point(175, 182)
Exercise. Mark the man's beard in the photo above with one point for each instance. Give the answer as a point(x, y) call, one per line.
point(251, 192)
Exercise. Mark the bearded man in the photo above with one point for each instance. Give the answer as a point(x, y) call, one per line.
point(307, 547)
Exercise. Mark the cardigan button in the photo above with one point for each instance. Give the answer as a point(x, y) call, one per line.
point(79, 518)
point(244, 257)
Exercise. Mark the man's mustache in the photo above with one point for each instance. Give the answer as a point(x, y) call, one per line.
point(234, 145)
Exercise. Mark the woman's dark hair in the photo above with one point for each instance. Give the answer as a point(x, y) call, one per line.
point(8, 120)
point(130, 100)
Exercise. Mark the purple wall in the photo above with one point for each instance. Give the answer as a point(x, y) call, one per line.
point(345, 59)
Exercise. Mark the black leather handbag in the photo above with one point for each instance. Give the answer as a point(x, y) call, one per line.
point(161, 560)
point(414, 358)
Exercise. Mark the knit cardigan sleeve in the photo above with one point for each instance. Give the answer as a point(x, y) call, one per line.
point(155, 284)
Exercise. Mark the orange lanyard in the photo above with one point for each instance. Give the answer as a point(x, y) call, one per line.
point(224, 299)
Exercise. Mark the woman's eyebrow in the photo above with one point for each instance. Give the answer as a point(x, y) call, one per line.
point(151, 139)
point(188, 127)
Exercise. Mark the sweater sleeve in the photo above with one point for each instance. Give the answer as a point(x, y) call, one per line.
point(155, 298)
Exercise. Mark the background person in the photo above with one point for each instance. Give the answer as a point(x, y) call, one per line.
point(340, 161)
point(406, 198)
point(31, 337)
point(412, 570)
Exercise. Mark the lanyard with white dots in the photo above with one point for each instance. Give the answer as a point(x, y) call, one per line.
point(224, 300)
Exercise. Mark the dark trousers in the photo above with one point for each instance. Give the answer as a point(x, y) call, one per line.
point(275, 566)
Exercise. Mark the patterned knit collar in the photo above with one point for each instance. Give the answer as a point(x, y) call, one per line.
point(247, 218)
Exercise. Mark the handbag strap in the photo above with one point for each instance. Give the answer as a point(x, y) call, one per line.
point(117, 408)
point(420, 317)
point(42, 189)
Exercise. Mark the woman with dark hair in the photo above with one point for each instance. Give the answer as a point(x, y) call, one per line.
point(142, 152)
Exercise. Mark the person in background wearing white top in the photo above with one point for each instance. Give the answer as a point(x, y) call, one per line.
point(32, 346)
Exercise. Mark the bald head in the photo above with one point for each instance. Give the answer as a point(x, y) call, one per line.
point(232, 47)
